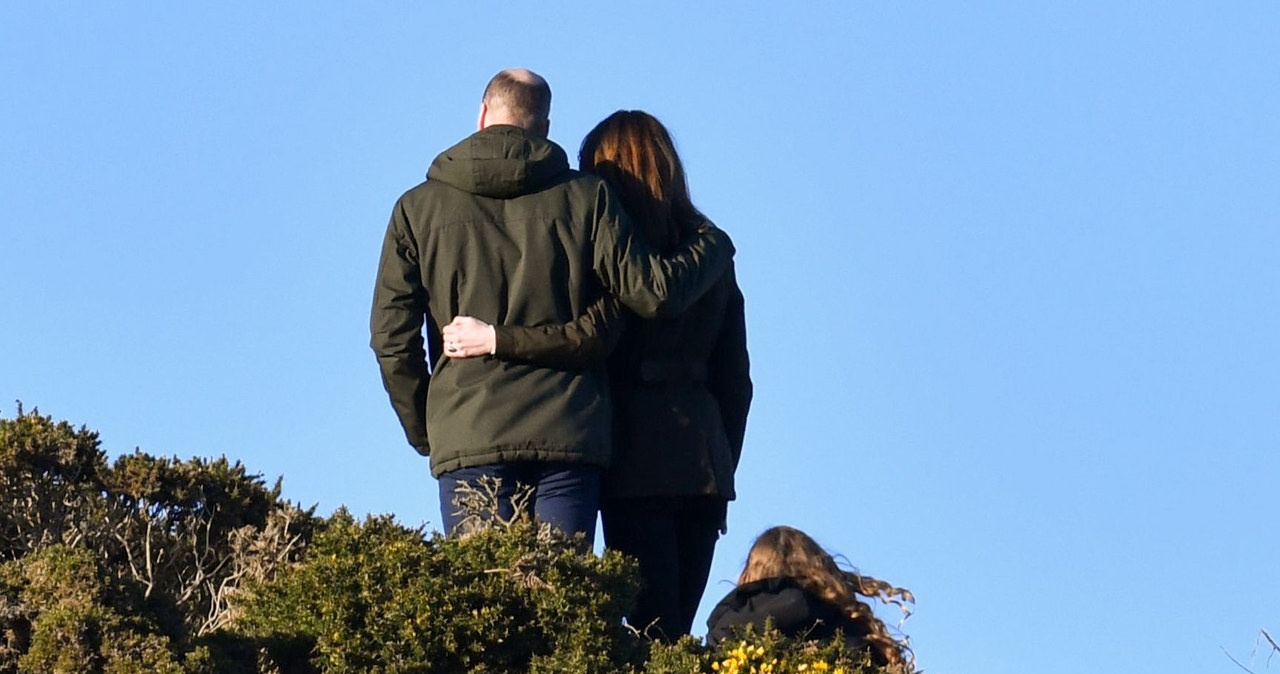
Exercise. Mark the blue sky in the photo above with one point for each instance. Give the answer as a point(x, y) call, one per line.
point(1012, 273)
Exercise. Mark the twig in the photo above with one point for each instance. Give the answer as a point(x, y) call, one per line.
point(1275, 648)
point(150, 572)
point(1224, 651)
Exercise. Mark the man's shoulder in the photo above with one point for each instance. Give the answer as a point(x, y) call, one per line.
point(423, 189)
point(433, 203)
point(582, 178)
point(572, 179)
point(431, 196)
point(581, 183)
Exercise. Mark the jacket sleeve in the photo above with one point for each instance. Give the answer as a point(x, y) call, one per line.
point(580, 344)
point(647, 283)
point(395, 324)
point(729, 369)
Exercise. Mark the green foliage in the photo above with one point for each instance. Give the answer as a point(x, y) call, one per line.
point(164, 566)
point(512, 596)
point(50, 475)
point(375, 596)
point(86, 621)
point(686, 656)
point(772, 653)
point(130, 566)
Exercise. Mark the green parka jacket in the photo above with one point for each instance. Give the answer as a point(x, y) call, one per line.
point(503, 230)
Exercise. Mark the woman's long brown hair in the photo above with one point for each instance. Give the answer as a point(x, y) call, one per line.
point(634, 153)
point(784, 552)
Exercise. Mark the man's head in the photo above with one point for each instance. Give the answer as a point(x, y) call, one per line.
point(518, 97)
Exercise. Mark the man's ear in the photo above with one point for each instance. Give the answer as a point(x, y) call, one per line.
point(546, 128)
point(484, 112)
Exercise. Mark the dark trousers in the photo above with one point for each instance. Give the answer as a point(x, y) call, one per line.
point(565, 495)
point(673, 538)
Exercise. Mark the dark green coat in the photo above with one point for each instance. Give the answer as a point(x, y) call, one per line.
point(504, 231)
point(681, 387)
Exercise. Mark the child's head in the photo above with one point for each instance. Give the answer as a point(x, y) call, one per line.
point(785, 552)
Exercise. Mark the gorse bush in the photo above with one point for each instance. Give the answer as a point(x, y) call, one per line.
point(771, 653)
point(67, 615)
point(375, 596)
point(182, 567)
point(128, 566)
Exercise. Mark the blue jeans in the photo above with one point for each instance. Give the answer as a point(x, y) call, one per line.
point(566, 495)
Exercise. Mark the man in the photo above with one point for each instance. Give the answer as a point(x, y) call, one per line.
point(504, 231)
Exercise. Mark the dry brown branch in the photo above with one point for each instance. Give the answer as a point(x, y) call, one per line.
point(257, 555)
point(480, 505)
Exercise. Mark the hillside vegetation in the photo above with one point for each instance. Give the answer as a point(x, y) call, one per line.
point(159, 565)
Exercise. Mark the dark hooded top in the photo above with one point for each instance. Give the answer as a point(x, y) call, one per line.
point(795, 612)
point(503, 230)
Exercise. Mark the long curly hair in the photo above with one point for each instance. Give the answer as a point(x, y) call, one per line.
point(785, 552)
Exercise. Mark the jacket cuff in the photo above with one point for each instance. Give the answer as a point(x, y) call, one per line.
point(502, 341)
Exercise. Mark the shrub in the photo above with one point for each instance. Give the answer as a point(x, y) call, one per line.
point(85, 619)
point(133, 562)
point(375, 596)
point(164, 566)
point(772, 653)
point(762, 653)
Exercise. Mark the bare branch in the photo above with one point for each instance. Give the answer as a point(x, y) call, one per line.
point(1224, 651)
point(1262, 634)
point(133, 567)
point(150, 569)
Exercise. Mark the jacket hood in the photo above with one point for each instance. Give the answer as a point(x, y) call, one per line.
point(500, 162)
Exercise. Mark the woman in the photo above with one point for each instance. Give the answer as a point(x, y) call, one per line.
point(791, 580)
point(681, 385)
